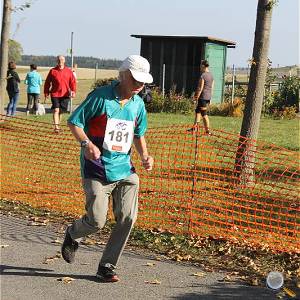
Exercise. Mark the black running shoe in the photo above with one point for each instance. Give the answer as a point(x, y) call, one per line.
point(69, 247)
point(106, 274)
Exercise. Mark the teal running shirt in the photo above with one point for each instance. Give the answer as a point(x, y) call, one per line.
point(111, 127)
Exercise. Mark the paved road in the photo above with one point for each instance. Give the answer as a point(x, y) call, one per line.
point(25, 276)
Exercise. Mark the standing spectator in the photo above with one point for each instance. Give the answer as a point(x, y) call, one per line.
point(34, 81)
point(61, 85)
point(203, 96)
point(106, 124)
point(12, 88)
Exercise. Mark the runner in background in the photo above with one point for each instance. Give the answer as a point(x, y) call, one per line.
point(61, 85)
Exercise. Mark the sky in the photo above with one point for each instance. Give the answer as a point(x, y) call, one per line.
point(102, 28)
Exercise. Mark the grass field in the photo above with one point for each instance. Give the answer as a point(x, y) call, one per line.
point(85, 79)
point(284, 133)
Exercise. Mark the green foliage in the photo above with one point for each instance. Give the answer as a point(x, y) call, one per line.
point(272, 4)
point(240, 91)
point(269, 94)
point(101, 82)
point(15, 51)
point(22, 7)
point(171, 103)
point(288, 92)
point(283, 103)
point(156, 105)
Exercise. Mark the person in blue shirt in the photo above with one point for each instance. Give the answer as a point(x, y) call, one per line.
point(106, 124)
point(34, 81)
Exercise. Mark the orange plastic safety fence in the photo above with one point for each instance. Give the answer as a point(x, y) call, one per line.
point(193, 188)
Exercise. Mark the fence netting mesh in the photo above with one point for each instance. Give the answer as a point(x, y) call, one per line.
point(191, 190)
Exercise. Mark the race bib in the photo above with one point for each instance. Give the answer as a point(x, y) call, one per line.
point(118, 135)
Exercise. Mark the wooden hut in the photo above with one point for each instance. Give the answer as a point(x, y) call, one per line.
point(175, 61)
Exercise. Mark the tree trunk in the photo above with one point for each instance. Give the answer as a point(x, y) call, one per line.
point(7, 8)
point(245, 156)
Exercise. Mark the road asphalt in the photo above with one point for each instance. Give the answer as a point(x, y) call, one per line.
point(28, 271)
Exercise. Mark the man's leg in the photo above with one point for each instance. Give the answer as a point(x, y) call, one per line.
point(56, 119)
point(96, 207)
point(96, 210)
point(125, 204)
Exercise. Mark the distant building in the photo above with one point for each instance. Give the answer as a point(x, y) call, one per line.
point(182, 56)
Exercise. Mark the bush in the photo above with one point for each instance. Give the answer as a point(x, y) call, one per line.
point(227, 109)
point(289, 113)
point(101, 82)
point(172, 103)
point(288, 93)
point(284, 103)
point(240, 91)
point(156, 104)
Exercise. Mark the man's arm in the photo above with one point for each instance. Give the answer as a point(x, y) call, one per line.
point(47, 84)
point(141, 147)
point(72, 84)
point(91, 151)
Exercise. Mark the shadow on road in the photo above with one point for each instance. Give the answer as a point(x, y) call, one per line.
point(7, 270)
point(227, 292)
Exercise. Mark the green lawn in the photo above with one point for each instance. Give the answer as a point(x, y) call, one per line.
point(283, 133)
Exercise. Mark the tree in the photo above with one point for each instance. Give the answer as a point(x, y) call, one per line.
point(6, 16)
point(245, 156)
point(15, 51)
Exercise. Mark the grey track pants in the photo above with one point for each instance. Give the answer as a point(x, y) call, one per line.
point(125, 207)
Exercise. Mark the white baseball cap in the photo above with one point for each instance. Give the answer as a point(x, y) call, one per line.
point(139, 68)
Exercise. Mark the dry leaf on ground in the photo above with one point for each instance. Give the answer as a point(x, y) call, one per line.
point(65, 279)
point(50, 259)
point(198, 274)
point(57, 241)
point(32, 223)
point(88, 242)
point(149, 264)
point(155, 281)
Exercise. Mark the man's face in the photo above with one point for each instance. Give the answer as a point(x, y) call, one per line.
point(61, 61)
point(133, 85)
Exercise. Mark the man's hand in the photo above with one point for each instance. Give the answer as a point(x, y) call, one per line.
point(73, 94)
point(148, 163)
point(91, 151)
point(45, 97)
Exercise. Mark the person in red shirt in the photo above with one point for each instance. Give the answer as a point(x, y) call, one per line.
point(61, 85)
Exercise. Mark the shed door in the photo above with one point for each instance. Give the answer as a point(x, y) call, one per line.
point(216, 56)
